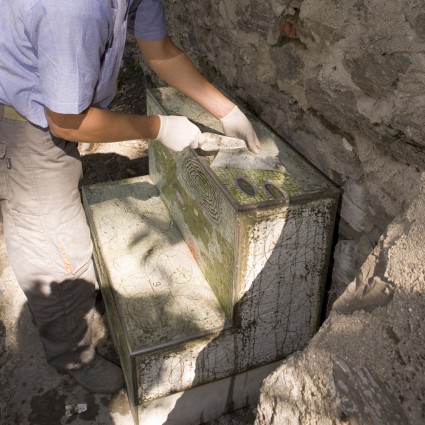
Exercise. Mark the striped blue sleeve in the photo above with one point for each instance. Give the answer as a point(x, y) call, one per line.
point(146, 20)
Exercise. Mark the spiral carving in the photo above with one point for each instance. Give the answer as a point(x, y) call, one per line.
point(200, 187)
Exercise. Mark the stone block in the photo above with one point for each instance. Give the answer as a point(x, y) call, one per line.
point(209, 274)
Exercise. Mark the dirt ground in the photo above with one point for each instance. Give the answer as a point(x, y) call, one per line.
point(31, 392)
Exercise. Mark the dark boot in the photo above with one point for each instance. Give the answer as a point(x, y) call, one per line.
point(99, 376)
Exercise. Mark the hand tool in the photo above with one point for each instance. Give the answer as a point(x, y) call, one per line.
point(212, 142)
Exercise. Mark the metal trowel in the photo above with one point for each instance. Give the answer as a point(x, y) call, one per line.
point(211, 143)
point(234, 153)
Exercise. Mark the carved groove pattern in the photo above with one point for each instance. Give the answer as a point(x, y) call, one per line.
point(199, 185)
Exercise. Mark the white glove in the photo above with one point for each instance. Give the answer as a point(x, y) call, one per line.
point(236, 124)
point(177, 133)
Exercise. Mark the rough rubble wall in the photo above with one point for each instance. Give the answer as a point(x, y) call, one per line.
point(342, 81)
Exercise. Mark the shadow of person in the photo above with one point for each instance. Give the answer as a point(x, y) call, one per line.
point(39, 393)
point(102, 167)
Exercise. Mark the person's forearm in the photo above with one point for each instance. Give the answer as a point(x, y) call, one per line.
point(175, 67)
point(100, 126)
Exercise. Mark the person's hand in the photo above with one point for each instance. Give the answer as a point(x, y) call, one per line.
point(177, 133)
point(236, 124)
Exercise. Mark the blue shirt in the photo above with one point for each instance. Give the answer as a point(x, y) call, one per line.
point(66, 54)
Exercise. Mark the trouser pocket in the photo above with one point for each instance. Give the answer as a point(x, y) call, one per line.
point(3, 167)
point(28, 248)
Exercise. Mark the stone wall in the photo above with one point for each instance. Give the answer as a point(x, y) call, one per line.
point(342, 81)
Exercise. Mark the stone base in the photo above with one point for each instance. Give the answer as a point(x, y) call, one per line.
point(206, 402)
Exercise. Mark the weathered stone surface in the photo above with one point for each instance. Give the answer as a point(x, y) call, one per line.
point(381, 73)
point(355, 206)
point(364, 397)
point(349, 255)
point(354, 395)
point(288, 62)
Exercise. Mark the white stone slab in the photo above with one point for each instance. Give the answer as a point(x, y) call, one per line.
point(206, 402)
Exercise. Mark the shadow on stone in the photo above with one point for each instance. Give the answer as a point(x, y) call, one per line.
point(273, 319)
point(102, 167)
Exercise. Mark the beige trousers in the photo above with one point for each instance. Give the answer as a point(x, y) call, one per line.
point(47, 237)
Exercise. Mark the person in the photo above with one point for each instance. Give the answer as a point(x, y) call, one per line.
point(59, 64)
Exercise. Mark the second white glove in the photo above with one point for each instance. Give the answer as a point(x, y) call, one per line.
point(177, 133)
point(236, 124)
